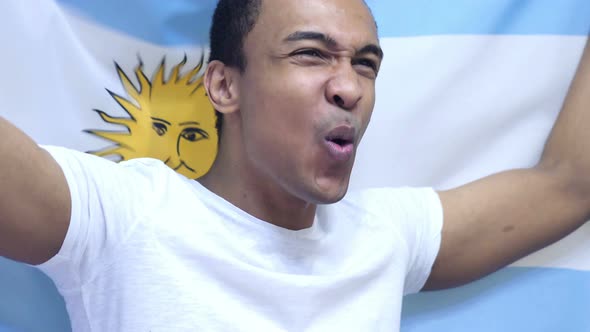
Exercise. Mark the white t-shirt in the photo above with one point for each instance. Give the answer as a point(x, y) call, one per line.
point(150, 250)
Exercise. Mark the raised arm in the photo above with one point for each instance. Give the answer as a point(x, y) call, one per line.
point(492, 222)
point(34, 199)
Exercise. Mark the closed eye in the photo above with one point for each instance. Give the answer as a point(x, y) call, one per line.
point(308, 52)
point(368, 67)
point(367, 63)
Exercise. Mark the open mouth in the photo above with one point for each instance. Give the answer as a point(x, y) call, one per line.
point(340, 143)
point(341, 136)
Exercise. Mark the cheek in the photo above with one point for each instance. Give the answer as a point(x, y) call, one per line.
point(280, 109)
point(284, 107)
point(366, 109)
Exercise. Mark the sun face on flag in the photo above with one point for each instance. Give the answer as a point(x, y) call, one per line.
point(171, 120)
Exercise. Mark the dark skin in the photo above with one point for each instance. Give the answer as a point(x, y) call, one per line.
point(306, 76)
point(311, 71)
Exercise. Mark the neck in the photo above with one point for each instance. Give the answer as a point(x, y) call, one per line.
point(235, 179)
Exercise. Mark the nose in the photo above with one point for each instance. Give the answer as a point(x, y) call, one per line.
point(344, 89)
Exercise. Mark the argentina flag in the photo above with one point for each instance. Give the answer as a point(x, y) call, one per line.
point(467, 88)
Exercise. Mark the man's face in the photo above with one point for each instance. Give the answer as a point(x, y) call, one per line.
point(308, 92)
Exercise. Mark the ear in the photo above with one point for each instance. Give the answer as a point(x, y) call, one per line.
point(222, 88)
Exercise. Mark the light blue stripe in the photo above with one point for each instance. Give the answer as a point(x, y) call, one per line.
point(29, 301)
point(513, 17)
point(169, 22)
point(511, 300)
point(185, 22)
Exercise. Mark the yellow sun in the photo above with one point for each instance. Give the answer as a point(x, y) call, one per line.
point(171, 120)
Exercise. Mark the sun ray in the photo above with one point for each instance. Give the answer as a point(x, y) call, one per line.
point(159, 77)
point(144, 82)
point(189, 78)
point(122, 138)
point(127, 122)
point(129, 87)
point(175, 76)
point(133, 111)
point(199, 87)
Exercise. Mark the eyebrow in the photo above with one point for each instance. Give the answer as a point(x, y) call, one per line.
point(190, 122)
point(161, 120)
point(331, 42)
point(312, 35)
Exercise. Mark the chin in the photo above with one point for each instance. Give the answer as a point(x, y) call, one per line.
point(331, 200)
point(329, 195)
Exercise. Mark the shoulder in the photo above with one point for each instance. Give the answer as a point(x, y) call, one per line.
point(403, 207)
point(74, 160)
point(87, 173)
point(148, 167)
point(390, 197)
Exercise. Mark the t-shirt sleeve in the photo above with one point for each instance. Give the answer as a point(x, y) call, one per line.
point(417, 218)
point(423, 236)
point(107, 202)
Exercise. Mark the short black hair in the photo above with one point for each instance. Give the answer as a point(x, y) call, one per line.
point(232, 21)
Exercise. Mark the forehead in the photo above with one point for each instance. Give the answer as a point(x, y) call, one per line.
point(350, 22)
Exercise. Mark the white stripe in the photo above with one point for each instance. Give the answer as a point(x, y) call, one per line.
point(569, 253)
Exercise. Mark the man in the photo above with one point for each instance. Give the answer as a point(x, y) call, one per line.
point(257, 244)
